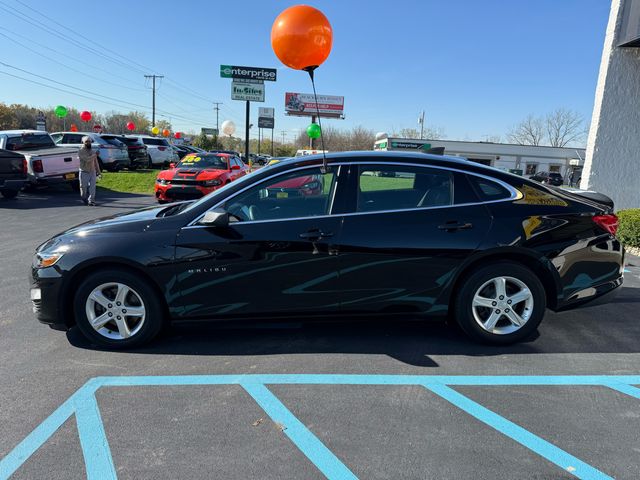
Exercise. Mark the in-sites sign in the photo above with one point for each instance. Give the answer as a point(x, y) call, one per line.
point(248, 73)
point(253, 92)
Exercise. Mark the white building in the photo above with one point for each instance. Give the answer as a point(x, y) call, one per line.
point(529, 159)
point(612, 163)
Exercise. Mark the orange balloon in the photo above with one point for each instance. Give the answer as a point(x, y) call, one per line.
point(166, 133)
point(301, 37)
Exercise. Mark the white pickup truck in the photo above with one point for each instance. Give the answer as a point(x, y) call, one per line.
point(46, 162)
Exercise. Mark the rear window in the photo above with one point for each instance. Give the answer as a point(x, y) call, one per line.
point(29, 141)
point(488, 190)
point(113, 141)
point(129, 141)
point(156, 141)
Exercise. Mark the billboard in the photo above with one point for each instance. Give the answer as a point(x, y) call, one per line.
point(303, 104)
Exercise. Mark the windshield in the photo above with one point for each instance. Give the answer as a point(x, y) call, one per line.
point(204, 161)
point(30, 141)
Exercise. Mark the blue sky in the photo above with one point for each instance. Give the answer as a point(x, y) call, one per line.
point(475, 67)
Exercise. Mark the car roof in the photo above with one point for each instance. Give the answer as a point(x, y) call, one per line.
point(20, 132)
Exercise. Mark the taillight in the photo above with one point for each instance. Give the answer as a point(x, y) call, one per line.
point(25, 166)
point(37, 166)
point(608, 222)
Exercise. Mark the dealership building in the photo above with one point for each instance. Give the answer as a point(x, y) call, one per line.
point(522, 159)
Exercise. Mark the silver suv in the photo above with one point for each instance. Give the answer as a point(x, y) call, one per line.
point(113, 155)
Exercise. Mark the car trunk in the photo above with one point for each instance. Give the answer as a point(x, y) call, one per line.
point(12, 165)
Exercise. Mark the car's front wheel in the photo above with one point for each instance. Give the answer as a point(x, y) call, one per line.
point(9, 193)
point(116, 309)
point(500, 303)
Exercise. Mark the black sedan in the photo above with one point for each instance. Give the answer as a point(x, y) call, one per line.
point(388, 233)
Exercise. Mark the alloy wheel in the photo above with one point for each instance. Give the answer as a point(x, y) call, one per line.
point(502, 305)
point(115, 310)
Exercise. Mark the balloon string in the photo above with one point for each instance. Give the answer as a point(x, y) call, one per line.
point(315, 98)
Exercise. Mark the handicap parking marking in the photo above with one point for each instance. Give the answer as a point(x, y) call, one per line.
point(99, 463)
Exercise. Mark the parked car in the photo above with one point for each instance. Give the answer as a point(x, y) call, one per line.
point(112, 154)
point(13, 173)
point(181, 150)
point(443, 238)
point(197, 175)
point(46, 162)
point(551, 178)
point(159, 149)
point(138, 156)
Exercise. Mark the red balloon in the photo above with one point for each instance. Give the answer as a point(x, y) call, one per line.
point(301, 37)
point(166, 133)
point(131, 126)
point(178, 135)
point(85, 116)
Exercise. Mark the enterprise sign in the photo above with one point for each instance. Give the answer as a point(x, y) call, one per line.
point(248, 73)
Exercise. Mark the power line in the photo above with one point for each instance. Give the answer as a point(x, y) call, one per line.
point(117, 102)
point(69, 67)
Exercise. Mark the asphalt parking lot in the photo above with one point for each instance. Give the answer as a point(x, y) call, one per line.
point(352, 400)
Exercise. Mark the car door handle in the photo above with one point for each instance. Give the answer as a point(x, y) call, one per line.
point(315, 235)
point(451, 226)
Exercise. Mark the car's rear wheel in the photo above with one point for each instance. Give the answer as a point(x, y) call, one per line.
point(500, 303)
point(116, 309)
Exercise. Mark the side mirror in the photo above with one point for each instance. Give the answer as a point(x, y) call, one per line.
point(215, 218)
point(235, 167)
point(172, 165)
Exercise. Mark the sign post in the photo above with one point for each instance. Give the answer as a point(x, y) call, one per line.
point(266, 120)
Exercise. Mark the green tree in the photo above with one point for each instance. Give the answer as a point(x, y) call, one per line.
point(8, 121)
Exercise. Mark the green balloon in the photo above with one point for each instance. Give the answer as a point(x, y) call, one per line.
point(61, 111)
point(313, 130)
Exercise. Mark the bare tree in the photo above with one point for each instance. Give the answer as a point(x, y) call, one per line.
point(530, 131)
point(430, 133)
point(563, 127)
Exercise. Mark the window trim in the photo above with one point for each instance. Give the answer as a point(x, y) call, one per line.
point(515, 193)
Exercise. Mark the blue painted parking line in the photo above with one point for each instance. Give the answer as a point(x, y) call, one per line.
point(300, 435)
point(99, 463)
point(524, 437)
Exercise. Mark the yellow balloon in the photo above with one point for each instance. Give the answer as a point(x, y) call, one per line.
point(155, 130)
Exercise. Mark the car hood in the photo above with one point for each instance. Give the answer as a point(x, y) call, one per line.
point(138, 220)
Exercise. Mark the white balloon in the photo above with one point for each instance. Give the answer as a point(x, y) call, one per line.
point(381, 135)
point(228, 127)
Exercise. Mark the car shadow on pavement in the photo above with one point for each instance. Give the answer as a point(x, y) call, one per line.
point(57, 196)
point(611, 328)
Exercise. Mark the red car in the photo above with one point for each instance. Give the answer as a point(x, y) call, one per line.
point(196, 175)
point(302, 186)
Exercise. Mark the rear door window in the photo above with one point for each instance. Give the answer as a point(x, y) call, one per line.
point(390, 187)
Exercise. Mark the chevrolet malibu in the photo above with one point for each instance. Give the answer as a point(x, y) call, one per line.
point(390, 234)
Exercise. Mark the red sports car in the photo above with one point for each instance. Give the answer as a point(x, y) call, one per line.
point(196, 175)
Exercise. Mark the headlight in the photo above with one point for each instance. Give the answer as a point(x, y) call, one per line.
point(162, 181)
point(44, 259)
point(211, 183)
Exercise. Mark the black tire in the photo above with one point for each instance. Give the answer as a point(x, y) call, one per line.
point(154, 313)
point(464, 310)
point(9, 193)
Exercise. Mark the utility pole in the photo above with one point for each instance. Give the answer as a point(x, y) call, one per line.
point(153, 104)
point(217, 109)
point(284, 134)
point(421, 122)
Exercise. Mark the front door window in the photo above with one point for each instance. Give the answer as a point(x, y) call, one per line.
point(299, 194)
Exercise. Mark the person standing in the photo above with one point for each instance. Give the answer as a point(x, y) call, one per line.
point(89, 170)
point(571, 173)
